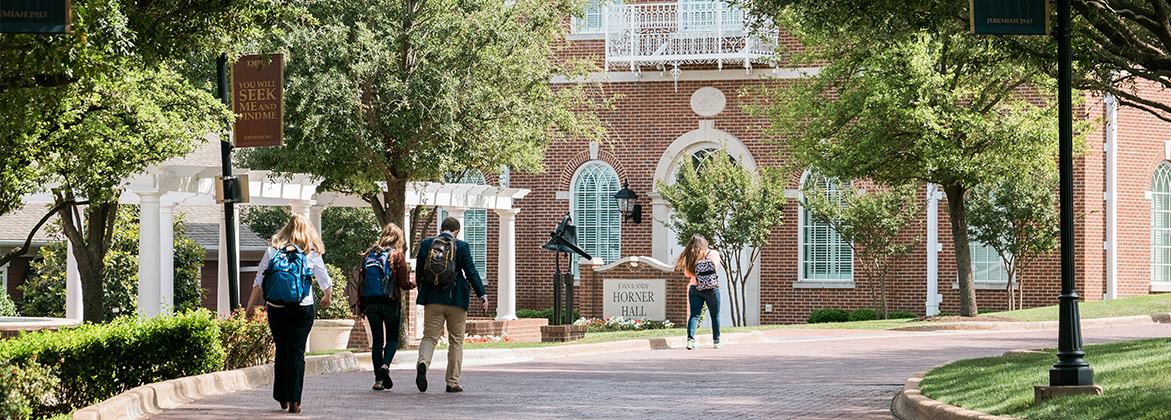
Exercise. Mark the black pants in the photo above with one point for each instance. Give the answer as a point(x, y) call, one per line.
point(383, 315)
point(290, 328)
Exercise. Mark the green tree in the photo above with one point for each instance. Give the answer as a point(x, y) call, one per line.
point(44, 293)
point(912, 98)
point(1018, 218)
point(265, 221)
point(346, 232)
point(85, 110)
point(733, 207)
point(384, 92)
point(872, 222)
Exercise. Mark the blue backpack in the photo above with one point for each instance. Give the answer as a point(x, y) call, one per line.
point(286, 281)
point(376, 274)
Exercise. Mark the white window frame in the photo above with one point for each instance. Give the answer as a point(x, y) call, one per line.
point(988, 270)
point(803, 280)
point(594, 246)
point(593, 8)
point(1161, 227)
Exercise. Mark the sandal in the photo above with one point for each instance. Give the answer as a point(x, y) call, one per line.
point(378, 386)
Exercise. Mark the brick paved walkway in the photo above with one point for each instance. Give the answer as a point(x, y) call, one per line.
point(804, 374)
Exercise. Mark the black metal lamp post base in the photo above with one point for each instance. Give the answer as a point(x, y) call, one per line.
point(1071, 376)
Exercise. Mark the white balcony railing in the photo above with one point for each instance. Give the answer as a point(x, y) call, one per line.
point(688, 32)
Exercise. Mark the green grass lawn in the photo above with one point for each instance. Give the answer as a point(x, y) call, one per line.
point(1138, 305)
point(1135, 376)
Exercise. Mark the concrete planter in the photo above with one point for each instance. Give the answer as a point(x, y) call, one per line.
point(329, 334)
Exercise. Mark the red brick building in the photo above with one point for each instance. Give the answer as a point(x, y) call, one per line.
point(670, 90)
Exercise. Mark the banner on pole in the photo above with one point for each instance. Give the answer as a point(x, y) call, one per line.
point(36, 16)
point(258, 100)
point(1010, 17)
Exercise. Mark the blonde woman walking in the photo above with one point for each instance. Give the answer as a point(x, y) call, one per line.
point(282, 281)
point(699, 264)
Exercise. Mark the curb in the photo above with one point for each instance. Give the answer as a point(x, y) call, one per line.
point(910, 404)
point(1037, 326)
point(148, 400)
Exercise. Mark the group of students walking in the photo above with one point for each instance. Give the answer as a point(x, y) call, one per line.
point(445, 274)
point(294, 257)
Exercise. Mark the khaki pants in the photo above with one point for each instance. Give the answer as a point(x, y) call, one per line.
point(434, 317)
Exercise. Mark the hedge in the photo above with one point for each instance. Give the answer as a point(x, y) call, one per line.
point(547, 314)
point(98, 361)
point(828, 315)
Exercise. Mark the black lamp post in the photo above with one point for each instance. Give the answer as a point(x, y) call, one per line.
point(1071, 367)
point(627, 200)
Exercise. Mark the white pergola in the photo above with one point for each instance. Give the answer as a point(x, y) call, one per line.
point(160, 188)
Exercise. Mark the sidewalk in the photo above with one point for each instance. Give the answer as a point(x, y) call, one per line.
point(788, 373)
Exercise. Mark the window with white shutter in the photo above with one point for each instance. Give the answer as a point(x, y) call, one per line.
point(595, 212)
point(825, 256)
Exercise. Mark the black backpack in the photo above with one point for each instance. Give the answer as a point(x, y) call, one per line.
point(439, 268)
point(376, 274)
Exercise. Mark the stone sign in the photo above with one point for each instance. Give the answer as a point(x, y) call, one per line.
point(636, 299)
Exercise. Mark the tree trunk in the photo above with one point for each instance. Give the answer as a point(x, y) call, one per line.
point(89, 250)
point(958, 216)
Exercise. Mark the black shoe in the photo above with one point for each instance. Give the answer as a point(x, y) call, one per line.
point(384, 376)
point(421, 377)
point(456, 388)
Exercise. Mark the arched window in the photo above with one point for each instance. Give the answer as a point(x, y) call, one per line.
point(595, 212)
point(1161, 224)
point(825, 256)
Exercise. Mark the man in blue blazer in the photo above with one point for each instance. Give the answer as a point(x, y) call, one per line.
point(446, 305)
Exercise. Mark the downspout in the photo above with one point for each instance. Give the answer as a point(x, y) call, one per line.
point(933, 296)
point(1111, 150)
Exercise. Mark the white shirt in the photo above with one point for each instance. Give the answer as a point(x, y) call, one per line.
point(316, 265)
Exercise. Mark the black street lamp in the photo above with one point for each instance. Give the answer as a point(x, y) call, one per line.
point(1071, 368)
point(626, 203)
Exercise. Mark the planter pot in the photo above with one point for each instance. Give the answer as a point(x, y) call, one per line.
point(329, 334)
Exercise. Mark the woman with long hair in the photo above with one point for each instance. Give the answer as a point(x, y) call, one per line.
point(696, 251)
point(290, 322)
point(382, 312)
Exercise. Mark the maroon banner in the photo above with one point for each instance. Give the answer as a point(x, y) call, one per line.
point(258, 100)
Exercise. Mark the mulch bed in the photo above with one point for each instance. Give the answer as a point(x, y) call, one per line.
point(963, 319)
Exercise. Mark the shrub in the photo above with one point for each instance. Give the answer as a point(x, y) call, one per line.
point(7, 307)
point(622, 324)
point(339, 307)
point(945, 314)
point(821, 316)
point(246, 342)
point(863, 314)
point(902, 315)
point(25, 387)
point(547, 314)
point(103, 360)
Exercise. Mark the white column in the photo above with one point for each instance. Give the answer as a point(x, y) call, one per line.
point(73, 300)
point(506, 269)
point(660, 234)
point(167, 254)
point(315, 215)
point(933, 296)
point(149, 252)
point(1111, 149)
point(458, 213)
point(222, 300)
point(406, 227)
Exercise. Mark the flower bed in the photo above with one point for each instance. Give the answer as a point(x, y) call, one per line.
point(622, 324)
